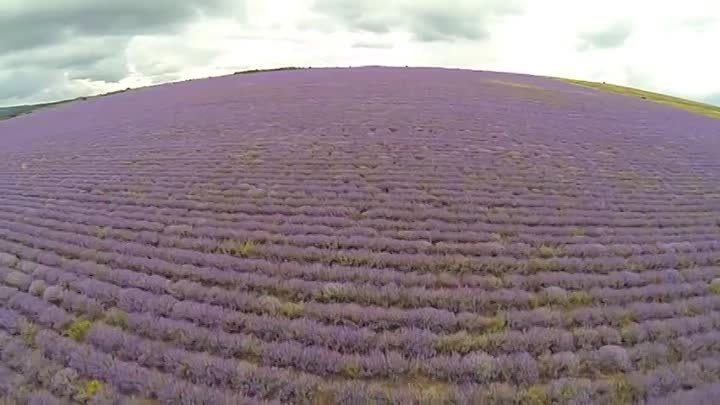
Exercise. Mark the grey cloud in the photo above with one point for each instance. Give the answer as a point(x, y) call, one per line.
point(444, 24)
point(359, 14)
point(79, 53)
point(20, 84)
point(152, 68)
point(611, 36)
point(699, 23)
point(316, 23)
point(713, 99)
point(164, 78)
point(372, 45)
point(427, 20)
point(28, 24)
point(164, 56)
point(637, 78)
point(41, 74)
point(38, 85)
point(107, 70)
point(63, 42)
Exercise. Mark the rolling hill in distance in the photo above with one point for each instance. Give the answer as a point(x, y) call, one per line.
point(689, 105)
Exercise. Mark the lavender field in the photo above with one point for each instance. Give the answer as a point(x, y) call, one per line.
point(360, 236)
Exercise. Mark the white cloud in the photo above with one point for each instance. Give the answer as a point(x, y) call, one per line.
point(662, 46)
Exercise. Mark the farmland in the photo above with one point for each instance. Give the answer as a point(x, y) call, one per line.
point(360, 236)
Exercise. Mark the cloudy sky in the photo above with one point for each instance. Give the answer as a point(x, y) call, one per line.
point(58, 49)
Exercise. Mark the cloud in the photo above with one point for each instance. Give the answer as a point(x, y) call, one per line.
point(23, 83)
point(29, 24)
point(59, 42)
point(372, 45)
point(101, 58)
point(42, 84)
point(426, 20)
point(109, 70)
point(713, 99)
point(634, 77)
point(162, 57)
point(611, 36)
point(699, 23)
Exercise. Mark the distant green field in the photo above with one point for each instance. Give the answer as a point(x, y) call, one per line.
point(688, 105)
point(14, 111)
point(280, 69)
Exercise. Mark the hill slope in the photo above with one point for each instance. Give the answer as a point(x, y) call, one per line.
point(369, 236)
point(15, 111)
point(692, 106)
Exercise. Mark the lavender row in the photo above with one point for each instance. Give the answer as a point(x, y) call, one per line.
point(129, 378)
point(287, 187)
point(37, 309)
point(466, 299)
point(333, 292)
point(405, 262)
point(589, 311)
point(706, 394)
point(228, 246)
point(488, 232)
point(172, 215)
point(561, 279)
point(358, 196)
point(536, 340)
point(268, 234)
point(606, 359)
point(591, 317)
point(348, 177)
point(685, 374)
point(437, 214)
point(582, 316)
point(31, 378)
point(520, 368)
point(426, 344)
point(379, 319)
point(601, 292)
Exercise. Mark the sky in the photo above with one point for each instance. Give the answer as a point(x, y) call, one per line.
point(59, 49)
